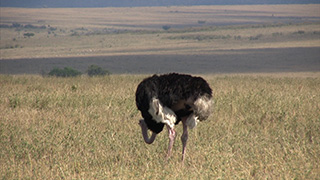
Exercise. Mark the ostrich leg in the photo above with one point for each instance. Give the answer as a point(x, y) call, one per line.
point(172, 136)
point(145, 132)
point(184, 138)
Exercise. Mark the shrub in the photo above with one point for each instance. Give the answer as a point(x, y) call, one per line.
point(52, 28)
point(277, 34)
point(166, 27)
point(237, 37)
point(66, 72)
point(255, 37)
point(28, 34)
point(95, 70)
point(300, 32)
point(16, 25)
point(30, 26)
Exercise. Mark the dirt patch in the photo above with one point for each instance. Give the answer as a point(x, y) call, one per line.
point(229, 61)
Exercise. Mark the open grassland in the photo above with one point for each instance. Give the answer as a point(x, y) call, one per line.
point(263, 127)
point(153, 18)
point(32, 33)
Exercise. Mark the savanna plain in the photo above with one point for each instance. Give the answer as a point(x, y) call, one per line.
point(263, 125)
point(87, 32)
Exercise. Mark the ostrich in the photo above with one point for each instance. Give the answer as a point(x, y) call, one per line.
point(165, 100)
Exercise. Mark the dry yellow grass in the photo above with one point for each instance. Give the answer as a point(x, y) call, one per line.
point(262, 127)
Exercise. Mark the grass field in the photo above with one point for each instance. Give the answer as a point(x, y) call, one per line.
point(263, 127)
point(39, 33)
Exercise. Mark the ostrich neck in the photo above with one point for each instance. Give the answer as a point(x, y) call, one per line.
point(145, 133)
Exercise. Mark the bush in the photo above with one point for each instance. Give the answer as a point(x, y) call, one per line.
point(166, 27)
point(95, 70)
point(300, 32)
point(16, 25)
point(30, 26)
point(255, 37)
point(28, 34)
point(66, 72)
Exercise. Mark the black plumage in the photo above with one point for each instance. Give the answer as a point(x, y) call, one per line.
point(170, 89)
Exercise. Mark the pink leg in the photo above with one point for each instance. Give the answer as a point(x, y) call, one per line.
point(184, 137)
point(144, 129)
point(172, 136)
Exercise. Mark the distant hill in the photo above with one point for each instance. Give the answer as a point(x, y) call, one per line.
point(135, 3)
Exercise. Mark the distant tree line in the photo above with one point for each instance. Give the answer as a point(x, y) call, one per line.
point(18, 25)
